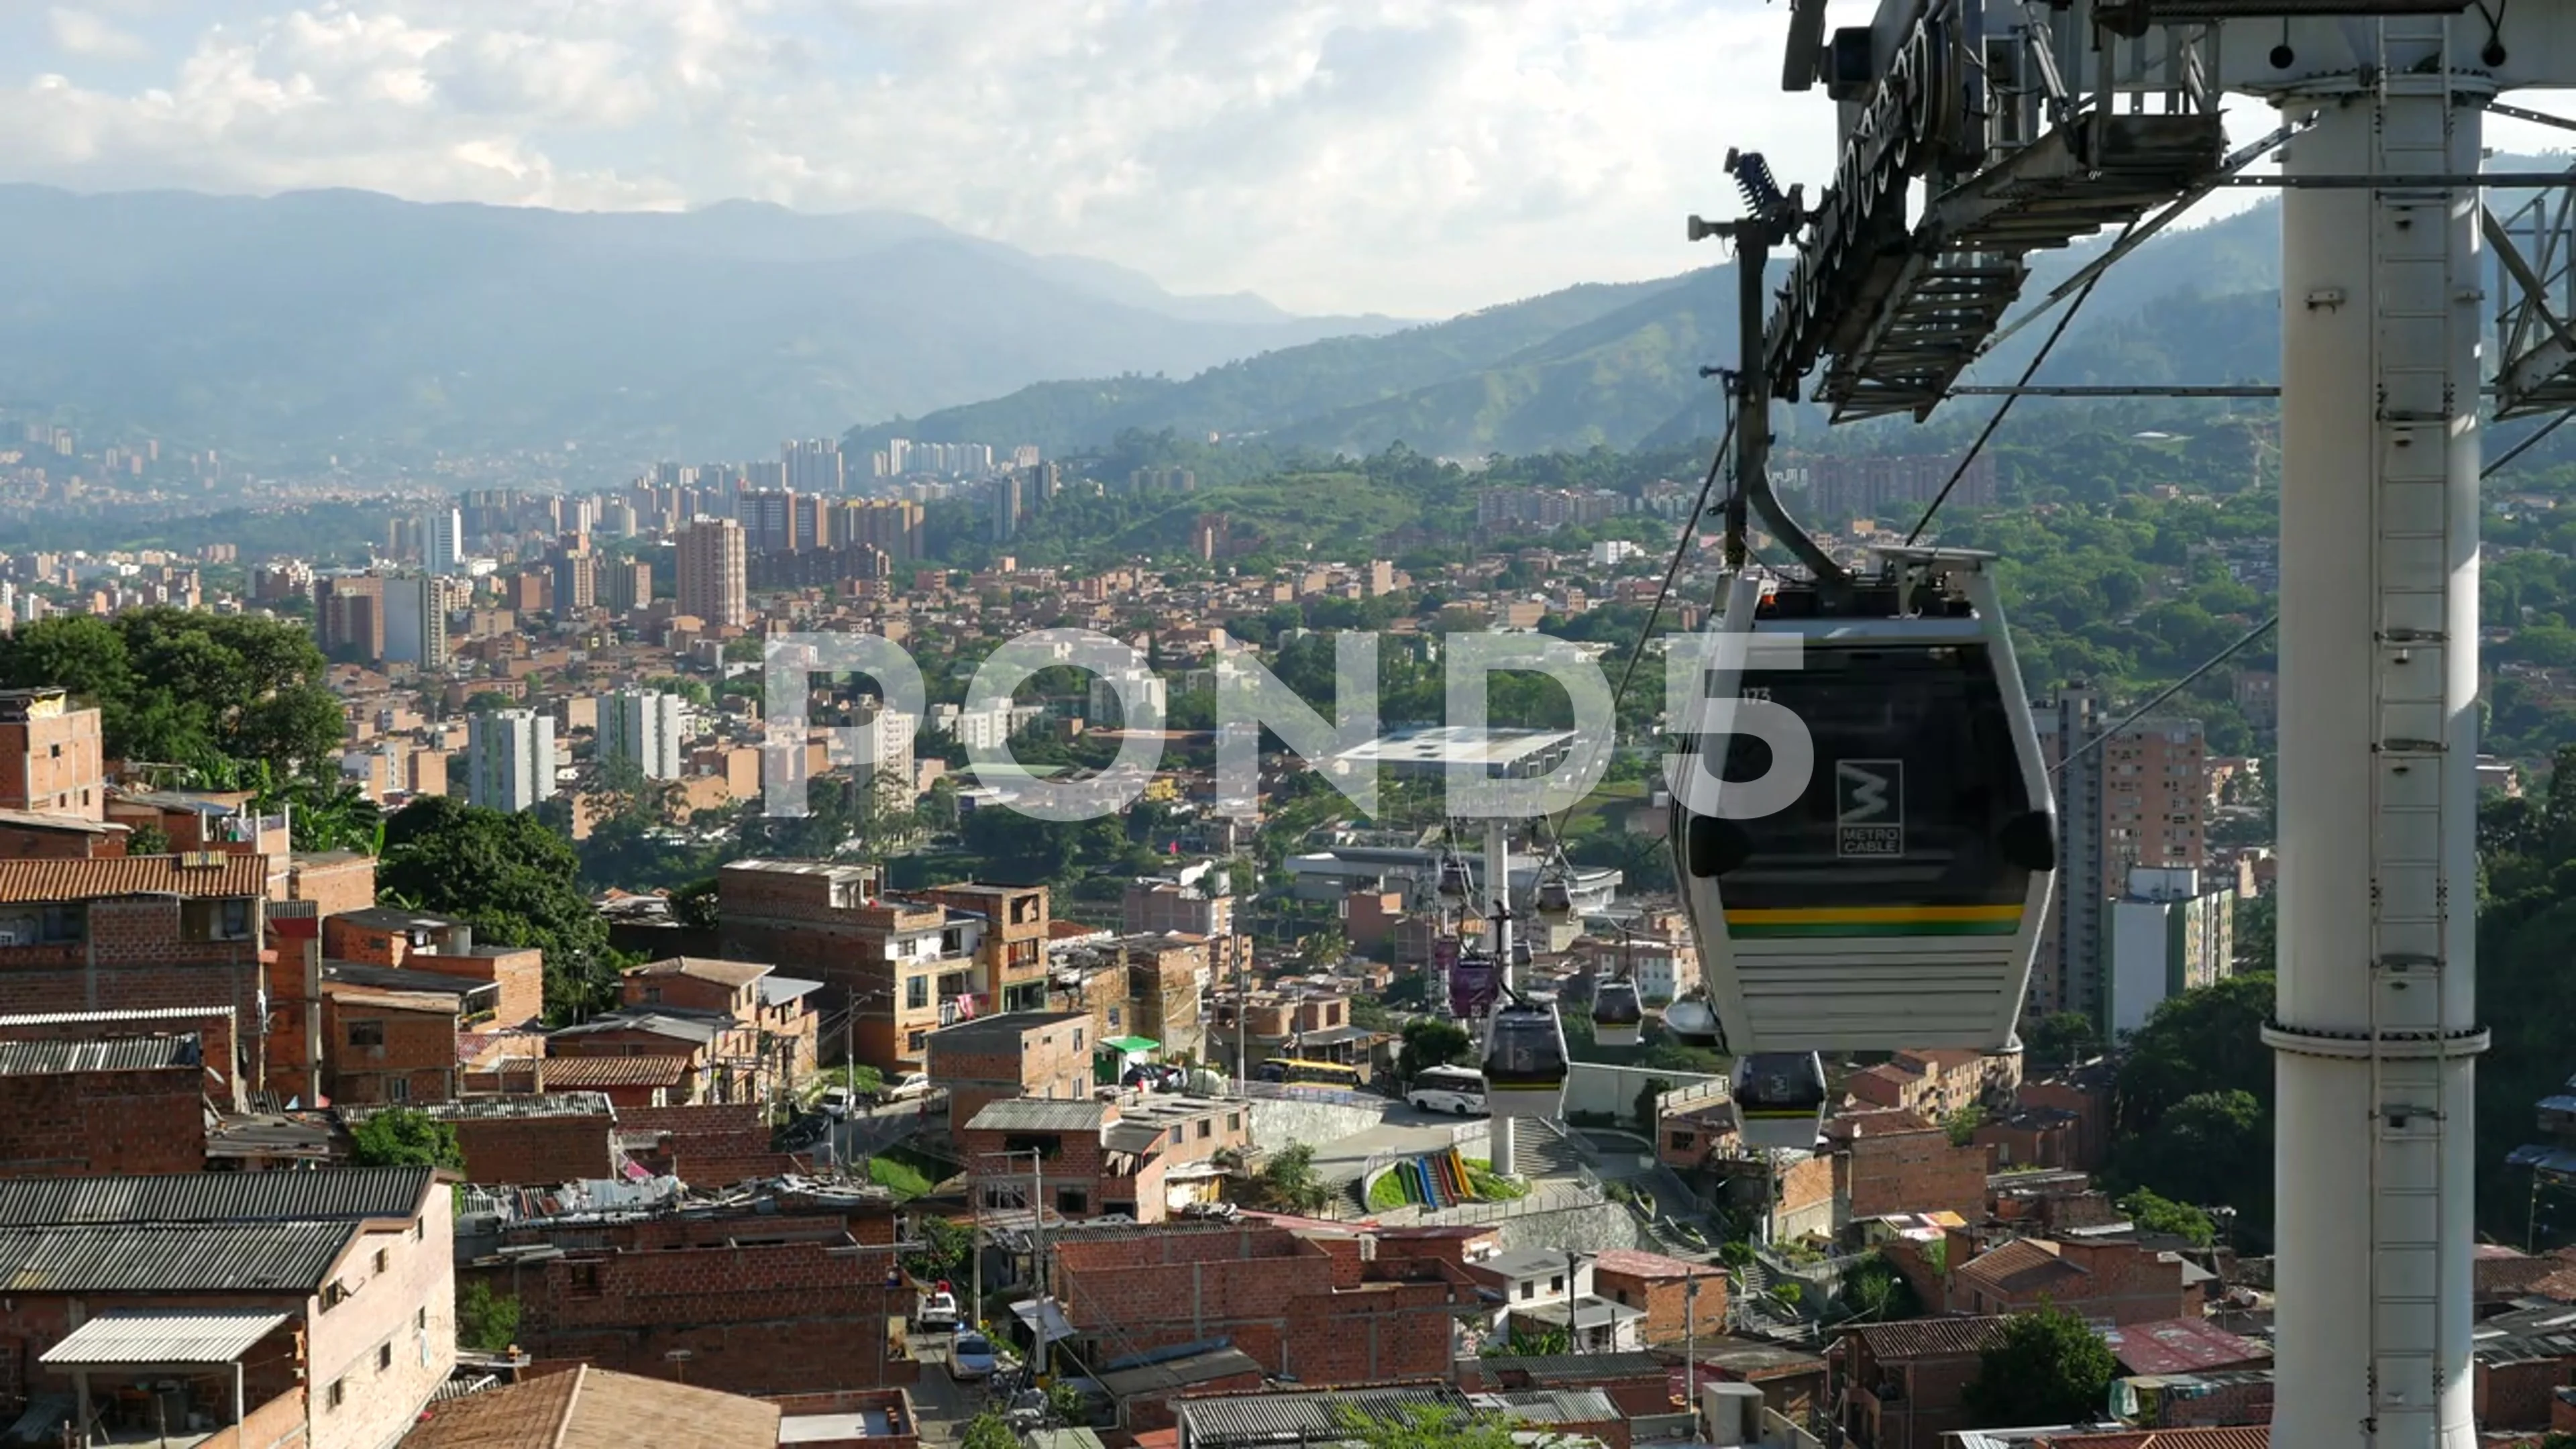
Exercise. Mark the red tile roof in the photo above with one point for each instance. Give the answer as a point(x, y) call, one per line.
point(2181, 1346)
point(131, 875)
point(1651, 1265)
point(2021, 1267)
point(593, 1072)
point(1931, 1337)
point(705, 968)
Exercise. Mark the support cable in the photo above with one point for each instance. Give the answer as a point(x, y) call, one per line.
point(2166, 693)
point(2525, 446)
point(2003, 409)
point(1672, 571)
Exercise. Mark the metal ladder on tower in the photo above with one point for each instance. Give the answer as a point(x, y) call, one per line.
point(2410, 896)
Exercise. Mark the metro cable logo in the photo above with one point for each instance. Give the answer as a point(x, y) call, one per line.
point(1869, 807)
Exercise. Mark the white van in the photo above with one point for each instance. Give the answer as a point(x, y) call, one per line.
point(1458, 1090)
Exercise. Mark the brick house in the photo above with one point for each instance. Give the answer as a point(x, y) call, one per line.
point(52, 757)
point(793, 1297)
point(893, 970)
point(1317, 1308)
point(708, 1144)
point(1143, 1156)
point(416, 941)
point(2102, 1282)
point(337, 1289)
point(719, 1052)
point(211, 1025)
point(627, 1082)
point(780, 1008)
point(1140, 986)
point(1043, 1054)
point(1907, 1380)
point(1662, 1287)
point(129, 1105)
point(1895, 1162)
point(136, 932)
point(27, 835)
point(526, 1141)
point(2522, 1360)
point(1012, 948)
point(1936, 1085)
point(2084, 1093)
point(390, 1034)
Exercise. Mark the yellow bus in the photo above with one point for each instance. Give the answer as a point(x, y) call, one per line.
point(1311, 1074)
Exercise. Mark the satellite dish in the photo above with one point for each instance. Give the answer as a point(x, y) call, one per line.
point(1799, 68)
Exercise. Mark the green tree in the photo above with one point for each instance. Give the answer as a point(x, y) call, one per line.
point(989, 1430)
point(1873, 1291)
point(175, 686)
point(1289, 1181)
point(486, 1322)
point(2156, 1214)
point(2065, 1038)
point(1962, 1125)
point(2213, 1147)
point(147, 840)
point(404, 1137)
point(1523, 1342)
point(946, 1250)
point(517, 882)
point(1435, 1428)
point(697, 906)
point(1647, 1097)
point(1430, 1042)
point(2049, 1368)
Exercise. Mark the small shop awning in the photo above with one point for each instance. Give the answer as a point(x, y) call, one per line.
point(154, 1337)
point(1131, 1044)
point(1029, 1311)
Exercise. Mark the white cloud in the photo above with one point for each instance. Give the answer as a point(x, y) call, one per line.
point(79, 33)
point(1410, 156)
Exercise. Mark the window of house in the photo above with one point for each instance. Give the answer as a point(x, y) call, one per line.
point(584, 1277)
point(1072, 1200)
point(1207, 1128)
point(60, 923)
point(916, 993)
point(339, 1390)
point(1234, 1121)
point(1681, 1141)
point(384, 1357)
point(1556, 1284)
point(1529, 1289)
point(381, 1260)
point(652, 993)
point(366, 1033)
point(1077, 1038)
point(397, 1089)
point(420, 1318)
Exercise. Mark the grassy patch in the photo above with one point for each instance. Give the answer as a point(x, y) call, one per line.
point(901, 1179)
point(1481, 1176)
point(1387, 1192)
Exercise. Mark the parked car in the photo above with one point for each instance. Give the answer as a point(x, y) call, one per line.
point(971, 1357)
point(939, 1311)
point(835, 1101)
point(909, 1086)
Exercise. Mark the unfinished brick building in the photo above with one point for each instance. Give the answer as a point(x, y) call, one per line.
point(133, 1105)
point(794, 1300)
point(1324, 1309)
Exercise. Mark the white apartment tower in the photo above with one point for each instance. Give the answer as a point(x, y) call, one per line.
point(510, 759)
point(645, 726)
point(416, 621)
point(443, 541)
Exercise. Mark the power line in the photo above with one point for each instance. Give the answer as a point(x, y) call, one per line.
point(2168, 692)
point(2004, 409)
point(2525, 446)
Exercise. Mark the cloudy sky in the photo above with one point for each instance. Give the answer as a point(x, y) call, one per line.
point(1418, 157)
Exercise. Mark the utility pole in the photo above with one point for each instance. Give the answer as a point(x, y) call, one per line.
point(1690, 1343)
point(1498, 890)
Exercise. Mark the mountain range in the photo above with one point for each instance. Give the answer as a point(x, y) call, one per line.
point(334, 319)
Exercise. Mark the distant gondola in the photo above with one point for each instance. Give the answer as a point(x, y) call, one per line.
point(1618, 1016)
point(1525, 1061)
point(1780, 1100)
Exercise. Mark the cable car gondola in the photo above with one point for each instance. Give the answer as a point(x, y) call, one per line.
point(1897, 901)
point(1618, 1017)
point(1456, 881)
point(1525, 1060)
point(1691, 1022)
point(1555, 896)
point(1780, 1100)
point(1473, 982)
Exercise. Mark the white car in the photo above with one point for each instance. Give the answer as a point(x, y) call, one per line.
point(911, 1085)
point(835, 1102)
point(971, 1357)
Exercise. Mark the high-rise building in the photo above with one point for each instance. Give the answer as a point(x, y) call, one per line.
point(416, 621)
point(625, 585)
point(2066, 973)
point(889, 524)
point(714, 573)
point(1007, 505)
point(444, 541)
point(510, 759)
point(880, 748)
point(813, 465)
point(645, 726)
point(576, 581)
point(768, 520)
point(2172, 931)
point(350, 612)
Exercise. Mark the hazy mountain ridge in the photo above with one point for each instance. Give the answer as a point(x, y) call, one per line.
point(301, 319)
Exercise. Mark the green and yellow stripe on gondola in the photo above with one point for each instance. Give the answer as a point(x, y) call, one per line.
point(1752, 925)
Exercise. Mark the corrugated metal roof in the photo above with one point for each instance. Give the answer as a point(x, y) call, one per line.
point(1033, 1114)
point(485, 1109)
point(345, 1194)
point(117, 1054)
point(1931, 1337)
point(132, 875)
point(1271, 1418)
point(164, 1336)
point(1130, 1136)
point(174, 1257)
point(665, 1021)
point(2180, 1346)
point(1575, 1368)
point(148, 1013)
point(1548, 1406)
